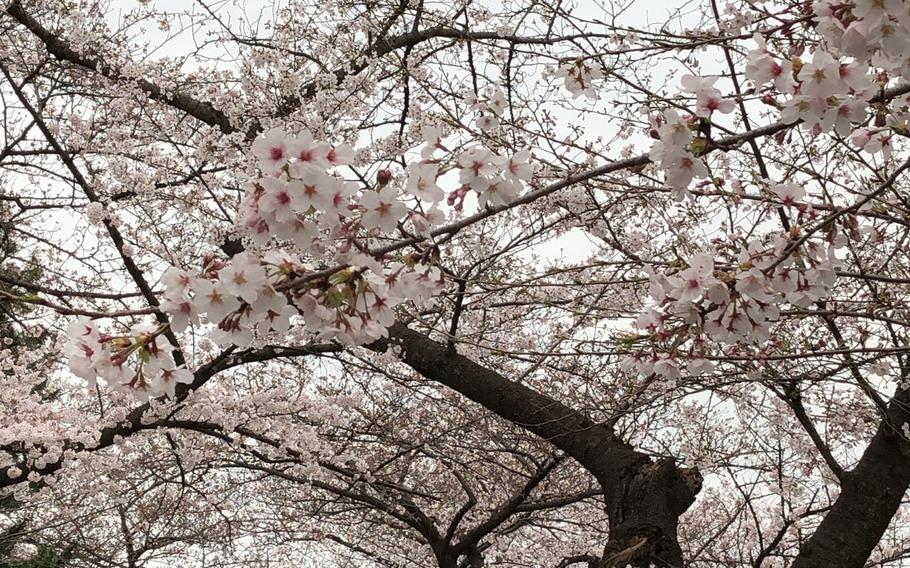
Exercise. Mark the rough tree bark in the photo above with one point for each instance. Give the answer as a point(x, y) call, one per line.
point(870, 496)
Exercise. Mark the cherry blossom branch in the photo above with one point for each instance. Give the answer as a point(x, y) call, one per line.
point(502, 513)
point(67, 311)
point(723, 144)
point(32, 287)
point(795, 402)
point(131, 267)
point(135, 420)
point(837, 214)
point(60, 49)
point(593, 445)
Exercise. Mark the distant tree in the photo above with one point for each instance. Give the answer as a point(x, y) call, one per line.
point(16, 536)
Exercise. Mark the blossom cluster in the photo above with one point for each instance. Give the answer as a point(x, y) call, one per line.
point(304, 203)
point(873, 31)
point(825, 93)
point(491, 107)
point(136, 361)
point(673, 152)
point(497, 180)
point(268, 293)
point(578, 77)
point(707, 97)
point(269, 288)
point(331, 219)
point(730, 304)
point(831, 95)
point(828, 92)
point(676, 151)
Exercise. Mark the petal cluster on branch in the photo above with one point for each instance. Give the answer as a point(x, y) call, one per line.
point(302, 202)
point(701, 308)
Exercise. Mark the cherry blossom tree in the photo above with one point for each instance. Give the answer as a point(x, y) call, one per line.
point(464, 284)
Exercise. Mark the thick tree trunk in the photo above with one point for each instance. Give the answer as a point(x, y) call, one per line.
point(643, 498)
point(444, 560)
point(644, 510)
point(870, 496)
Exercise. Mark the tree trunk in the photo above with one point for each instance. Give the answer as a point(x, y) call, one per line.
point(644, 511)
point(870, 496)
point(644, 499)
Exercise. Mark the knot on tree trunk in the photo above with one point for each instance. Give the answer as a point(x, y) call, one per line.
point(635, 551)
point(644, 512)
point(663, 479)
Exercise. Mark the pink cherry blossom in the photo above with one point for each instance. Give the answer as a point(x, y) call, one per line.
point(691, 283)
point(382, 210)
point(708, 98)
point(272, 150)
point(821, 76)
point(789, 193)
point(307, 153)
point(214, 299)
point(422, 182)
